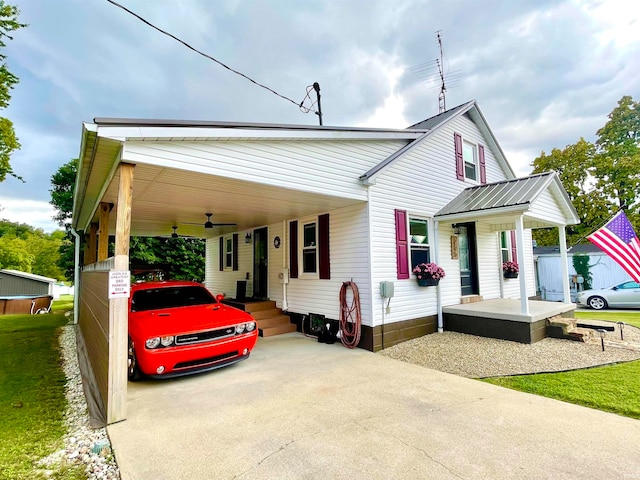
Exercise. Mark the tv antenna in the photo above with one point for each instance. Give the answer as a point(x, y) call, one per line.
point(442, 101)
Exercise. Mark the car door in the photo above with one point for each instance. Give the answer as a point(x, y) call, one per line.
point(626, 295)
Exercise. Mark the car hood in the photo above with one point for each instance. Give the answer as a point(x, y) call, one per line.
point(172, 321)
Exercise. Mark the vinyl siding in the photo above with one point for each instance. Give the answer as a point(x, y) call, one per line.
point(225, 282)
point(324, 167)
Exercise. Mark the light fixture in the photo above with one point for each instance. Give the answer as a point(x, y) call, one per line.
point(455, 228)
point(247, 238)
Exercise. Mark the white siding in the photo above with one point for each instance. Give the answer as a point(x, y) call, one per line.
point(324, 167)
point(489, 262)
point(225, 281)
point(546, 207)
point(512, 285)
point(348, 234)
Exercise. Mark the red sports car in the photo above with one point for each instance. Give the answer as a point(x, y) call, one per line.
point(177, 328)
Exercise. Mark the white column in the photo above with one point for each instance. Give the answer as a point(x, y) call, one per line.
point(436, 249)
point(524, 301)
point(564, 265)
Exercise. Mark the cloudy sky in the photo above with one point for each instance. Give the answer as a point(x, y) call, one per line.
point(544, 72)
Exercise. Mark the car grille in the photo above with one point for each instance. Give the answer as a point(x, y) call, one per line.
point(207, 336)
point(205, 361)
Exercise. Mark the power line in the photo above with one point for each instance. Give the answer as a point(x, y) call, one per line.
point(297, 104)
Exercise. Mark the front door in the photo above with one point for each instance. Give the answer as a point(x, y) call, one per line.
point(260, 263)
point(468, 259)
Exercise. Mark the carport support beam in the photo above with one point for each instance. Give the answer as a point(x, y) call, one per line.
point(118, 307)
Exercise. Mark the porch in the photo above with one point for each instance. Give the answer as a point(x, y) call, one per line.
point(502, 318)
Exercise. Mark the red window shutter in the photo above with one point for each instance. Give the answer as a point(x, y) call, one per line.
point(221, 253)
point(293, 249)
point(514, 249)
point(459, 160)
point(235, 251)
point(483, 167)
point(402, 245)
point(323, 247)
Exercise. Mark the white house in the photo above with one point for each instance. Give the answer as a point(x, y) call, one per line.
point(296, 211)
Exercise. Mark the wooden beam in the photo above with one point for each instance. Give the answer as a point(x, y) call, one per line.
point(91, 248)
point(118, 307)
point(103, 232)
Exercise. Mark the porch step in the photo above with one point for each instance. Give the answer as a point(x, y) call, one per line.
point(253, 307)
point(566, 328)
point(287, 327)
point(470, 299)
point(259, 314)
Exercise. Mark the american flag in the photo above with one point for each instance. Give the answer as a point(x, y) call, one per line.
point(618, 240)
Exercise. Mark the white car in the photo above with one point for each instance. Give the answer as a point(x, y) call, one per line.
point(622, 295)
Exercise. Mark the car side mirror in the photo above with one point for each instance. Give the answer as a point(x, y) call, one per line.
point(219, 297)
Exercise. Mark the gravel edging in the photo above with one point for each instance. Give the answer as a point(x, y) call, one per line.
point(480, 357)
point(83, 445)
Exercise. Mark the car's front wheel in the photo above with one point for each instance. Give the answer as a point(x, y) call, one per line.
point(133, 371)
point(597, 303)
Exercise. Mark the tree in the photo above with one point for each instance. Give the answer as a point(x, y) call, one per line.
point(184, 257)
point(617, 165)
point(8, 140)
point(602, 178)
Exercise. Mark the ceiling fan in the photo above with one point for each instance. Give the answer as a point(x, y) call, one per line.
point(209, 224)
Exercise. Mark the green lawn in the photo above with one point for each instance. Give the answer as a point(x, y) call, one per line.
point(32, 399)
point(612, 388)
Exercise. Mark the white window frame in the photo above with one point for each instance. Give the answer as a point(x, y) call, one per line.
point(466, 145)
point(301, 249)
point(506, 236)
point(422, 246)
point(228, 252)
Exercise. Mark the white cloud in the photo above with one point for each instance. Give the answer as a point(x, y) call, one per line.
point(32, 212)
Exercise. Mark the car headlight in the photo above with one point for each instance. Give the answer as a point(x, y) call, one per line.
point(166, 341)
point(251, 326)
point(240, 328)
point(152, 342)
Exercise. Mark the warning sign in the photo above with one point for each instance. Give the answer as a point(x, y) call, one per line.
point(119, 283)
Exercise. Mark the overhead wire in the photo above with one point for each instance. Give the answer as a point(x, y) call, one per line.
point(113, 2)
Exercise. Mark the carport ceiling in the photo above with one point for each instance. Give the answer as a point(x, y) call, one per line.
point(164, 197)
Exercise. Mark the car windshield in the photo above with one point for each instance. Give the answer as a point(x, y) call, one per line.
point(170, 297)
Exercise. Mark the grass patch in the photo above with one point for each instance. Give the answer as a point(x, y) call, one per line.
point(32, 398)
point(612, 388)
point(632, 318)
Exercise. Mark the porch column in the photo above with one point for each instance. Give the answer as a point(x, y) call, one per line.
point(524, 301)
point(118, 307)
point(564, 265)
point(103, 232)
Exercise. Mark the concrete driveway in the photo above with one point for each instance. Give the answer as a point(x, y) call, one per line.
point(298, 409)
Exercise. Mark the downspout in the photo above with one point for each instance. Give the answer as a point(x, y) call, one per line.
point(438, 294)
point(285, 266)
point(76, 277)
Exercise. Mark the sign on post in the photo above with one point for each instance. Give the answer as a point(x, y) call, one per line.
point(119, 283)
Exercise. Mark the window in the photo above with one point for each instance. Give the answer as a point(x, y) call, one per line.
point(309, 248)
point(508, 247)
point(419, 241)
point(470, 157)
point(228, 252)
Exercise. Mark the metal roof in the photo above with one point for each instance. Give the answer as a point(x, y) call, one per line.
point(433, 122)
point(30, 276)
point(500, 195)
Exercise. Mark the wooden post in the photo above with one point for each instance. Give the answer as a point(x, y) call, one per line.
point(118, 307)
point(91, 248)
point(103, 232)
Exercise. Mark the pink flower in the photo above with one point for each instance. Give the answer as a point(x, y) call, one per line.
point(428, 270)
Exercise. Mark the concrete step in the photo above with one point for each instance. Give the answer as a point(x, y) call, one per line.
point(260, 314)
point(278, 330)
point(566, 328)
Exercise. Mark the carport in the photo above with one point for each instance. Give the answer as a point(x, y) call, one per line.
point(133, 179)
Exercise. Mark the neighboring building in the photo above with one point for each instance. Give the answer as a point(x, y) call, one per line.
point(15, 283)
point(605, 272)
point(295, 211)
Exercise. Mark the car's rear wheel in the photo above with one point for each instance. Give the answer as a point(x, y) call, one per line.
point(133, 371)
point(597, 303)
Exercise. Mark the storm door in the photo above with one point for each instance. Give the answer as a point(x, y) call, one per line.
point(260, 263)
point(468, 259)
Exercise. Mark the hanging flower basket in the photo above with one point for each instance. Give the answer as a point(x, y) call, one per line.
point(510, 269)
point(428, 274)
